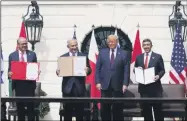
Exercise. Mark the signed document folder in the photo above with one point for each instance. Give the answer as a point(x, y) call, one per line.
point(72, 66)
point(145, 76)
point(24, 70)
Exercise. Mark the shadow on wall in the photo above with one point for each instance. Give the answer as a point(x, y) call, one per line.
point(42, 51)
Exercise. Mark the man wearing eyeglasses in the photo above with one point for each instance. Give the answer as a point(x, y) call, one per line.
point(23, 87)
point(74, 86)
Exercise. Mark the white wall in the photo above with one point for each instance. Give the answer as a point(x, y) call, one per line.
point(59, 20)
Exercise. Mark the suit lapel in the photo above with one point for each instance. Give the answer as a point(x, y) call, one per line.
point(108, 56)
point(151, 60)
point(67, 54)
point(142, 61)
point(17, 56)
point(28, 56)
point(117, 55)
point(79, 54)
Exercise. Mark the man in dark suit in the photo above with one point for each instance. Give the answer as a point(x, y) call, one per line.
point(74, 86)
point(23, 87)
point(112, 77)
point(147, 60)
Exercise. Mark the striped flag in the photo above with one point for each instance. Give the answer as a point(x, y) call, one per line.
point(21, 34)
point(137, 50)
point(178, 60)
point(92, 56)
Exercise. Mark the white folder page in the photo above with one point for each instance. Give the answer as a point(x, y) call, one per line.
point(149, 75)
point(139, 75)
point(79, 64)
point(32, 71)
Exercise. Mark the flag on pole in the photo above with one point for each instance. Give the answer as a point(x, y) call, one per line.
point(74, 35)
point(137, 50)
point(177, 72)
point(92, 56)
point(116, 34)
point(21, 34)
point(178, 60)
point(2, 82)
point(22, 31)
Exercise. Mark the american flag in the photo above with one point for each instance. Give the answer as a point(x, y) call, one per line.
point(2, 69)
point(178, 60)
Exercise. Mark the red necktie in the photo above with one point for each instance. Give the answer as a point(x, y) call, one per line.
point(112, 57)
point(146, 61)
point(22, 58)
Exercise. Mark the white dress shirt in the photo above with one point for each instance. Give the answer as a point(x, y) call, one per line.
point(70, 54)
point(24, 56)
point(115, 51)
point(149, 56)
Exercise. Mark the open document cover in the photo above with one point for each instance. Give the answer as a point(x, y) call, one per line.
point(145, 76)
point(72, 66)
point(25, 70)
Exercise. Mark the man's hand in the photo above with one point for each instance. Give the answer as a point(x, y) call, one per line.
point(57, 72)
point(98, 86)
point(124, 88)
point(86, 69)
point(140, 67)
point(156, 77)
point(10, 74)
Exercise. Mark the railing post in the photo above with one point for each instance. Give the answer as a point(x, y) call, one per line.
point(95, 116)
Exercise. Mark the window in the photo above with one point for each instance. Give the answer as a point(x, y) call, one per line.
point(101, 34)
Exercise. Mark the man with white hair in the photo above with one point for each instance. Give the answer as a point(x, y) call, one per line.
point(23, 87)
point(112, 77)
point(74, 86)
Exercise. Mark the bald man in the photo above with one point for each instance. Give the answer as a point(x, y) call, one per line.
point(23, 87)
point(74, 86)
point(112, 77)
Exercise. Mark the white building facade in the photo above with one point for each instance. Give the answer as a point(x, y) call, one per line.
point(59, 19)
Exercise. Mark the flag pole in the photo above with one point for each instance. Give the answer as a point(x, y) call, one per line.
point(138, 26)
point(0, 67)
point(75, 27)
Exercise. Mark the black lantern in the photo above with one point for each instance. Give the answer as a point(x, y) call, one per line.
point(33, 24)
point(178, 19)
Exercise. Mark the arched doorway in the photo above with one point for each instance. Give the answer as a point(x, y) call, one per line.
point(101, 34)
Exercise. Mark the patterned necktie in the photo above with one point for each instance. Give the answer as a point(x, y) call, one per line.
point(112, 57)
point(146, 61)
point(22, 58)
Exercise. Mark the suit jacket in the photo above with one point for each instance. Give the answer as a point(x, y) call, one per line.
point(24, 87)
point(115, 75)
point(157, 62)
point(79, 82)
